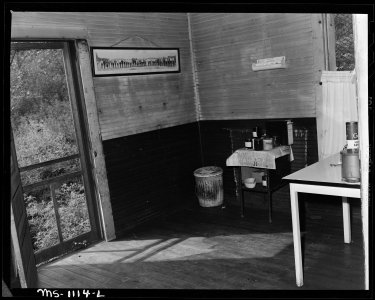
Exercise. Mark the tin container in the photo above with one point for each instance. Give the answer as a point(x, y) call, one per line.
point(352, 136)
point(267, 143)
point(350, 171)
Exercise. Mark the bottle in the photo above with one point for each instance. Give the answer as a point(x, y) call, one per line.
point(264, 180)
point(352, 142)
point(276, 141)
point(255, 136)
point(255, 132)
point(264, 133)
point(258, 144)
point(249, 143)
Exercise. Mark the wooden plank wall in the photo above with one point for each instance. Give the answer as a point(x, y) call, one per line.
point(226, 44)
point(151, 118)
point(129, 104)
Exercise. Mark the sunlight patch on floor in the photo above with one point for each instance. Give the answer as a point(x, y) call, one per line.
point(260, 245)
point(107, 252)
point(225, 247)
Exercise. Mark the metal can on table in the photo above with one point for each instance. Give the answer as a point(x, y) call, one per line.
point(352, 136)
point(267, 143)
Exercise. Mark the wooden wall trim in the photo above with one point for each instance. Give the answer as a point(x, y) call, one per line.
point(360, 31)
point(48, 32)
point(330, 20)
point(197, 100)
point(100, 173)
point(194, 70)
point(329, 41)
point(317, 26)
point(325, 41)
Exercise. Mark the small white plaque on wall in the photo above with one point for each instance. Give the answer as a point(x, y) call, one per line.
point(269, 63)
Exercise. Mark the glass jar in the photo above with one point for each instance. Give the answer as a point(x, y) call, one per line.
point(248, 143)
point(267, 143)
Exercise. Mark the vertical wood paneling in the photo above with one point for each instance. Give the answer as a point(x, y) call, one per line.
point(166, 99)
point(226, 45)
point(194, 69)
point(317, 21)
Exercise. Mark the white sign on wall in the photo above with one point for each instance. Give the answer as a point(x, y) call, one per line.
point(269, 63)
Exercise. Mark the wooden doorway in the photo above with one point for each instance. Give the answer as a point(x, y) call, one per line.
point(52, 148)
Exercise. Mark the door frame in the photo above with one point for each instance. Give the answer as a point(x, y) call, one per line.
point(77, 102)
point(23, 271)
point(83, 142)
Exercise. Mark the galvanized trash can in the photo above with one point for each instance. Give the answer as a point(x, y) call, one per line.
point(209, 186)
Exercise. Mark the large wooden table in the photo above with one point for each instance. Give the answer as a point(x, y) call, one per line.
point(323, 177)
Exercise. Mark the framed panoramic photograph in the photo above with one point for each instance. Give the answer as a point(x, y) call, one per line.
point(134, 61)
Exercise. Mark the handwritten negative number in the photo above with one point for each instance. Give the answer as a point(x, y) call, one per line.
point(70, 294)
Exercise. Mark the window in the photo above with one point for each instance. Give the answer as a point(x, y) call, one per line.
point(344, 42)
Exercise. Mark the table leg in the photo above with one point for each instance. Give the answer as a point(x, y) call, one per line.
point(346, 219)
point(269, 194)
point(242, 198)
point(296, 234)
point(240, 193)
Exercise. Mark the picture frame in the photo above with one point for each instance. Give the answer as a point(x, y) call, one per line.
point(108, 61)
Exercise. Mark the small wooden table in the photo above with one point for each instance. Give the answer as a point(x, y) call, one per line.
point(275, 163)
point(323, 177)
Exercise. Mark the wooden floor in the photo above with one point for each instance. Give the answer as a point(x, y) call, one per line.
point(214, 248)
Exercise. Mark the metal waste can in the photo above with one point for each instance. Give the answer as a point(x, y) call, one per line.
point(209, 186)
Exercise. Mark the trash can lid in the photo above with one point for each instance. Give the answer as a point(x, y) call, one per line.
point(208, 171)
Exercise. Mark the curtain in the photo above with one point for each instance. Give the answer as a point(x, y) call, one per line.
point(339, 106)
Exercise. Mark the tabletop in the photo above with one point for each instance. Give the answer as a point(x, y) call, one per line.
point(265, 159)
point(324, 172)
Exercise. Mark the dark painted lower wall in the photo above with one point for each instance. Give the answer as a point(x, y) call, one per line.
point(151, 174)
